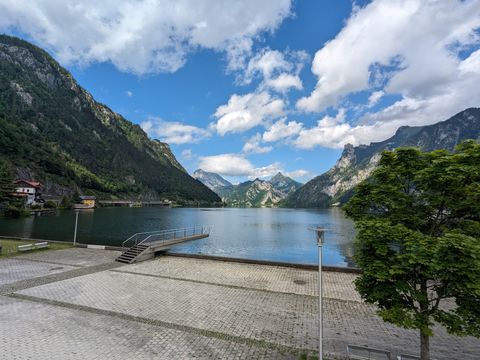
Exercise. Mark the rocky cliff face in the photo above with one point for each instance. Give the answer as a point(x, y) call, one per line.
point(211, 180)
point(55, 129)
point(357, 163)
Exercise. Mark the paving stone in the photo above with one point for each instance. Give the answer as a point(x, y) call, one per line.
point(337, 285)
point(15, 269)
point(32, 281)
point(39, 331)
point(284, 319)
point(185, 308)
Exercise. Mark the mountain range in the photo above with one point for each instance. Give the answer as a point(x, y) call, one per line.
point(254, 193)
point(357, 162)
point(53, 130)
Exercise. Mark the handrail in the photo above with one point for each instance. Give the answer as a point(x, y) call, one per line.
point(148, 235)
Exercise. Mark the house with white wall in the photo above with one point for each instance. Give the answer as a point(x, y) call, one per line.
point(29, 191)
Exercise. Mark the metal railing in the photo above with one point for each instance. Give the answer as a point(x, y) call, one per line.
point(165, 235)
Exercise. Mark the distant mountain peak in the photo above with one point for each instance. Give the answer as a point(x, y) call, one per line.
point(252, 193)
point(279, 176)
point(283, 182)
point(210, 179)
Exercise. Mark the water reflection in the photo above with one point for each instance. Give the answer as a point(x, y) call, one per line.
point(266, 234)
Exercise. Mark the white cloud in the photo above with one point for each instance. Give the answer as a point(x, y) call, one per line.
point(266, 171)
point(129, 93)
point(237, 54)
point(236, 165)
point(284, 82)
point(281, 130)
point(143, 36)
point(187, 154)
point(423, 36)
point(253, 145)
point(227, 165)
point(269, 63)
point(266, 63)
point(300, 173)
point(173, 132)
point(330, 132)
point(243, 112)
point(375, 97)
point(279, 71)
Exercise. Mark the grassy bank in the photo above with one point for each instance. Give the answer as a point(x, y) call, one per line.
point(10, 247)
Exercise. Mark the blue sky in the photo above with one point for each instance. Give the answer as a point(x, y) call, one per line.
point(252, 88)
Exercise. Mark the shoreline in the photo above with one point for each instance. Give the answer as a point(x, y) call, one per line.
point(309, 267)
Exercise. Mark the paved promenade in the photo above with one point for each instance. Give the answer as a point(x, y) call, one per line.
point(79, 304)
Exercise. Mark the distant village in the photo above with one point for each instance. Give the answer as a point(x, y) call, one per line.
point(29, 192)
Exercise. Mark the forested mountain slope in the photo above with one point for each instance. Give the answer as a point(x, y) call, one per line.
point(53, 129)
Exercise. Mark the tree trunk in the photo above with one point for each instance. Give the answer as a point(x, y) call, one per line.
point(424, 338)
point(424, 347)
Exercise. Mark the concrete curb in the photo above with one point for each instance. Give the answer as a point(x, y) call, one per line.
point(266, 262)
point(80, 245)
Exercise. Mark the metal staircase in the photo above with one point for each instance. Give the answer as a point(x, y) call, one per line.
point(142, 246)
point(131, 254)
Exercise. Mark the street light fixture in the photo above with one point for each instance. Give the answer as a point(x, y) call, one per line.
point(320, 237)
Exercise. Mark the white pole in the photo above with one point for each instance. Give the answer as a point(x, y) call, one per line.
point(320, 304)
point(76, 225)
point(320, 238)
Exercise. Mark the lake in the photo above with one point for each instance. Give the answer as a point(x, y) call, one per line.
point(261, 234)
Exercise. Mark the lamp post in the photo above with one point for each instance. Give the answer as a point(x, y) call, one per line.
point(76, 225)
point(320, 237)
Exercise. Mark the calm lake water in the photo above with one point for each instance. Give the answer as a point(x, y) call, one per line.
point(262, 234)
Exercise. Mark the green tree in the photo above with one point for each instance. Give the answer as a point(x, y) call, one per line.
point(418, 242)
point(66, 202)
point(7, 186)
point(50, 205)
point(76, 198)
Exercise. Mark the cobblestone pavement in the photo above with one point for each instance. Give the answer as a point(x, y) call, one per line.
point(73, 256)
point(15, 269)
point(183, 308)
point(284, 319)
point(337, 285)
point(61, 274)
point(31, 330)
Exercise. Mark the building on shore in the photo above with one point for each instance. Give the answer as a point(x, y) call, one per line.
point(29, 190)
point(87, 202)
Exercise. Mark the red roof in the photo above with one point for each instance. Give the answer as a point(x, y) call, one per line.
point(35, 184)
point(88, 197)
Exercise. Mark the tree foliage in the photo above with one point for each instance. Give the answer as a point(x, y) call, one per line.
point(418, 242)
point(6, 182)
point(10, 206)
